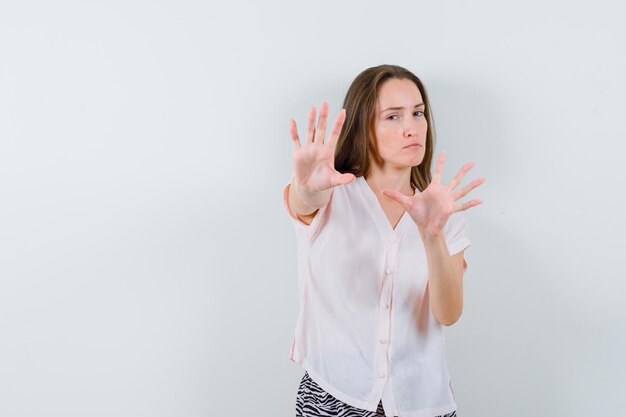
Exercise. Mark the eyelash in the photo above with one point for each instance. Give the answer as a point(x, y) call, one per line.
point(396, 114)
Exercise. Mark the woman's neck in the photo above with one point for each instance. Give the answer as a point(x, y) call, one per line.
point(394, 179)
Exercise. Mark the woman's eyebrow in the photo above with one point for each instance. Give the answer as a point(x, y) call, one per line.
point(400, 108)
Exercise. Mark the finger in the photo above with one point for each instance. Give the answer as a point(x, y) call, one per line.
point(439, 167)
point(341, 117)
point(293, 129)
point(468, 205)
point(459, 176)
point(320, 132)
point(310, 128)
point(399, 197)
point(465, 190)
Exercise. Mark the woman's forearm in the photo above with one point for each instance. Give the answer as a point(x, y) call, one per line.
point(444, 281)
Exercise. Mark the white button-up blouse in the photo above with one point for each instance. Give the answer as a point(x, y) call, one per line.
point(365, 330)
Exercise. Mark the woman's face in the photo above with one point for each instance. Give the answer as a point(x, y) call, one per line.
point(400, 124)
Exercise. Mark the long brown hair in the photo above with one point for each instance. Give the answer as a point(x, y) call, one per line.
point(356, 145)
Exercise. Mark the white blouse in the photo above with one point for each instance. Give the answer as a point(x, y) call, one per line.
point(365, 330)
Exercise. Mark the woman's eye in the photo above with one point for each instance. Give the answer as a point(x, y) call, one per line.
point(395, 115)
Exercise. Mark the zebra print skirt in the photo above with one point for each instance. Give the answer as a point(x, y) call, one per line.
point(313, 401)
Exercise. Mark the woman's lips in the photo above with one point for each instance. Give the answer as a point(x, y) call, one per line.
point(413, 146)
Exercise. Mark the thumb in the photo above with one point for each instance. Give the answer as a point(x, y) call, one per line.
point(399, 197)
point(339, 179)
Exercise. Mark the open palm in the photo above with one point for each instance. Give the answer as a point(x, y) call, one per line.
point(314, 161)
point(431, 208)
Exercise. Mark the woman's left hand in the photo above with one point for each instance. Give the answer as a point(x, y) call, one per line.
point(431, 208)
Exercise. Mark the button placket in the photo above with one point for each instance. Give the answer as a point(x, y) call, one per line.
point(384, 323)
point(385, 302)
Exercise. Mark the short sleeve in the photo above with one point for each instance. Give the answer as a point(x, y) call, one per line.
point(312, 229)
point(455, 232)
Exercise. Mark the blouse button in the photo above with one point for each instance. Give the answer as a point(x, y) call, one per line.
point(382, 375)
point(383, 341)
point(386, 306)
point(388, 271)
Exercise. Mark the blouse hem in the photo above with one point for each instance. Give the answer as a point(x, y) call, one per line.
point(365, 405)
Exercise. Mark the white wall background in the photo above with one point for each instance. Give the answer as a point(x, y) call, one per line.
point(147, 267)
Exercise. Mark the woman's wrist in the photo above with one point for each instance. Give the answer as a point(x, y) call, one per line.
point(313, 200)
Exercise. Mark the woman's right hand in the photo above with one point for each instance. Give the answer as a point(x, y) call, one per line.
point(314, 162)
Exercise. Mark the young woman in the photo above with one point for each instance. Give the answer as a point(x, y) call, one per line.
point(380, 254)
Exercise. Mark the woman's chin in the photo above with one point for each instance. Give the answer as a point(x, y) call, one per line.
point(416, 160)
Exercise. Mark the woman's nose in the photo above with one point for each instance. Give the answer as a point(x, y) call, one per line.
point(410, 130)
